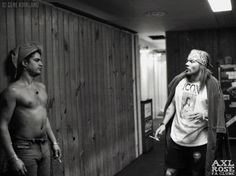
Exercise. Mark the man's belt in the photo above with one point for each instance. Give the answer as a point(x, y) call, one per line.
point(33, 140)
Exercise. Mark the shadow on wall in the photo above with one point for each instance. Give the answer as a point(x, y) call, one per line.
point(9, 68)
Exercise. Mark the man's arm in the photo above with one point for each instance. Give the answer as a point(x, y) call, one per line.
point(168, 115)
point(55, 146)
point(7, 107)
point(169, 112)
point(50, 133)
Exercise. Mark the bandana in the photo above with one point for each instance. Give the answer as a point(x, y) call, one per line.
point(19, 53)
point(201, 57)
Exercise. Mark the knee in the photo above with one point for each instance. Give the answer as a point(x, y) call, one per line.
point(197, 156)
point(171, 172)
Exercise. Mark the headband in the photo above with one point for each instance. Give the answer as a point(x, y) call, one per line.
point(19, 53)
point(201, 57)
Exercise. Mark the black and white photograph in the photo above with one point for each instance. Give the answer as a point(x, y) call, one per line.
point(117, 88)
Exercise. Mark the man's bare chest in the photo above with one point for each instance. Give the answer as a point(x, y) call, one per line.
point(31, 98)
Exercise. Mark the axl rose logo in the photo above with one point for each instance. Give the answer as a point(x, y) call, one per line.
point(223, 167)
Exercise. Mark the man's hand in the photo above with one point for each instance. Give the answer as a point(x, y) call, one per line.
point(198, 117)
point(56, 151)
point(160, 131)
point(18, 166)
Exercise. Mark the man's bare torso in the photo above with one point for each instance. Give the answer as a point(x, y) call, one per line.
point(30, 115)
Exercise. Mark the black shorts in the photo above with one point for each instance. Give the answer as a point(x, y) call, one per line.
point(181, 157)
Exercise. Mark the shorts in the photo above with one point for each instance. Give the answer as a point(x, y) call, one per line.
point(190, 158)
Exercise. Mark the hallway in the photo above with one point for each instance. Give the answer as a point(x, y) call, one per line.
point(101, 64)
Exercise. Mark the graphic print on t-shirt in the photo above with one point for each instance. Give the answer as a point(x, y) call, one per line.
point(190, 92)
point(190, 102)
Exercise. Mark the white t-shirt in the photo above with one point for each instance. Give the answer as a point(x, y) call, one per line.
point(188, 99)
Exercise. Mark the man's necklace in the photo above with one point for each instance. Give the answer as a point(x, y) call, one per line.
point(36, 91)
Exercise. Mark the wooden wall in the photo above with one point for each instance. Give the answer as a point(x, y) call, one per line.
point(88, 74)
point(217, 42)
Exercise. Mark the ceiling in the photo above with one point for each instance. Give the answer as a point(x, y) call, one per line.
point(179, 15)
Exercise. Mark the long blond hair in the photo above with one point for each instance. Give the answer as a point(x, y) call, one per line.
point(205, 73)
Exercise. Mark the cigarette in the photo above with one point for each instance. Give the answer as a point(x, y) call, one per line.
point(59, 159)
point(154, 138)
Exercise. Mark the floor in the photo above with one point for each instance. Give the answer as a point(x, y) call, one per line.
point(152, 162)
point(148, 164)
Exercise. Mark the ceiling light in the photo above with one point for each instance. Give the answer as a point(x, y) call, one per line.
point(144, 50)
point(220, 5)
point(155, 13)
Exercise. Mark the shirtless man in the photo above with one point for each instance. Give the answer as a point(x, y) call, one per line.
point(24, 125)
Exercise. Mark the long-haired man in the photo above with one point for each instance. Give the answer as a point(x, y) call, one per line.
point(191, 131)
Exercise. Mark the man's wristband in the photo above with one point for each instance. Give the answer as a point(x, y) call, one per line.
point(55, 143)
point(15, 157)
point(162, 124)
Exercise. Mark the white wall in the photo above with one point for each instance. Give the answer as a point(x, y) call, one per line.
point(153, 79)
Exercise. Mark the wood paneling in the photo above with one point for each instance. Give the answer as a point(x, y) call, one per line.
point(89, 78)
point(217, 42)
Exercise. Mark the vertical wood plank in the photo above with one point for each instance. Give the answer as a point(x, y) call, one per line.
point(61, 87)
point(77, 124)
point(117, 79)
point(49, 63)
point(124, 71)
point(113, 102)
point(69, 88)
point(95, 59)
point(90, 96)
point(85, 107)
point(81, 98)
point(107, 132)
point(67, 149)
point(93, 98)
point(112, 105)
point(72, 128)
point(35, 24)
point(20, 25)
point(11, 37)
point(3, 47)
point(103, 100)
point(121, 98)
point(116, 88)
point(27, 24)
point(130, 100)
point(100, 98)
